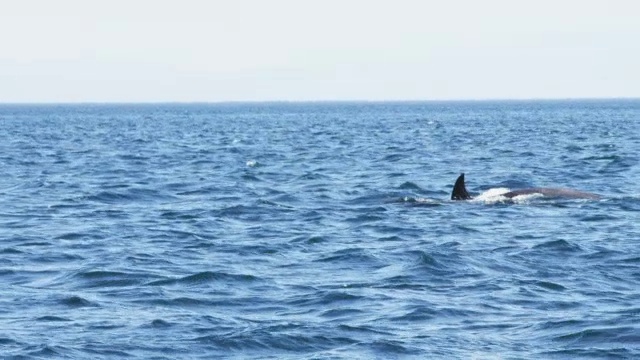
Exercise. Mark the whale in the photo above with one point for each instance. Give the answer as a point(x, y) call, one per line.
point(460, 192)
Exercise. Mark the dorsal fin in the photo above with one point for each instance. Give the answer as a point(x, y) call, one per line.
point(459, 190)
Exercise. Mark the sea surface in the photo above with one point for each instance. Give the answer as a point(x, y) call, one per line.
point(319, 231)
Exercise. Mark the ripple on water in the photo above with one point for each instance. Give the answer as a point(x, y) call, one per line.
point(559, 245)
point(297, 340)
point(208, 277)
point(109, 279)
point(76, 302)
point(619, 335)
point(51, 318)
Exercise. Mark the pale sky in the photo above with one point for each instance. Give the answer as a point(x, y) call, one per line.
point(297, 50)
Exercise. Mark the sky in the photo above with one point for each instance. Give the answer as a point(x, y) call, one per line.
point(297, 50)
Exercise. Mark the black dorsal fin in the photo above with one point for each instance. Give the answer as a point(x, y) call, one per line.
point(459, 190)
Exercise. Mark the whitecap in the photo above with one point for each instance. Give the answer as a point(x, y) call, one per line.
point(496, 195)
point(492, 196)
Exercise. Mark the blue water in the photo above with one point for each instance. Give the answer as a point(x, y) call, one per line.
point(318, 230)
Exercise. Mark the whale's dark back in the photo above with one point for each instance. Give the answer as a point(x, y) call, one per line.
point(552, 192)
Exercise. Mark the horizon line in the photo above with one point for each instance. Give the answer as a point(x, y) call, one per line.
point(222, 102)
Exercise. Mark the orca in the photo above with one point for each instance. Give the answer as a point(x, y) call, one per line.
point(460, 192)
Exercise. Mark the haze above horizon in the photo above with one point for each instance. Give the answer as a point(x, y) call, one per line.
point(283, 50)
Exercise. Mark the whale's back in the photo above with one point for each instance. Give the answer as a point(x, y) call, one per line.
point(553, 192)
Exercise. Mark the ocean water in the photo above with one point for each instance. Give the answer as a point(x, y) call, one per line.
point(318, 231)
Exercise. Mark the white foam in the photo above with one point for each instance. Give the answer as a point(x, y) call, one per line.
point(420, 200)
point(496, 195)
point(522, 199)
point(492, 196)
